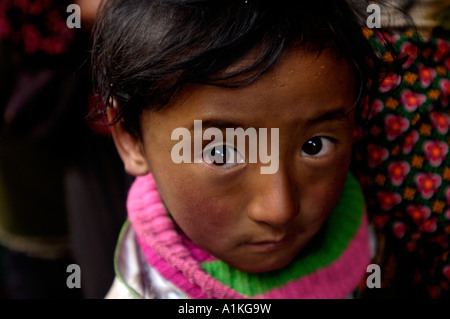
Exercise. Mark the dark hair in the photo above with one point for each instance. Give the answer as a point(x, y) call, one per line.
point(145, 51)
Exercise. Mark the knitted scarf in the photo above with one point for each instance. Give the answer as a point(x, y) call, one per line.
point(330, 266)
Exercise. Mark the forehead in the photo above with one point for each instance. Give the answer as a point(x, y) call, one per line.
point(300, 86)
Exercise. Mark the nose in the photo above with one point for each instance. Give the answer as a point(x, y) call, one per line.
point(274, 200)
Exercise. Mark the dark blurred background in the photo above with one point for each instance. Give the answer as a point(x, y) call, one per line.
point(62, 185)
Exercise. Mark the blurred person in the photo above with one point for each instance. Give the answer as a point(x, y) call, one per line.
point(403, 162)
point(44, 210)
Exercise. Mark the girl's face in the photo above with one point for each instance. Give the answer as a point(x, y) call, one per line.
point(258, 222)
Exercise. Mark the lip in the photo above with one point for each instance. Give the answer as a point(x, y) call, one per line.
point(270, 245)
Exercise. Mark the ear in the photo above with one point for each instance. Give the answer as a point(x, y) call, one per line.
point(128, 147)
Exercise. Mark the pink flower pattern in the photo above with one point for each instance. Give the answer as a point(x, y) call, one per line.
point(426, 76)
point(397, 172)
point(435, 152)
point(418, 213)
point(390, 82)
point(406, 171)
point(399, 229)
point(444, 86)
point(427, 184)
point(411, 100)
point(429, 225)
point(388, 199)
point(409, 50)
point(395, 126)
point(440, 122)
point(442, 49)
point(377, 155)
point(410, 142)
point(377, 107)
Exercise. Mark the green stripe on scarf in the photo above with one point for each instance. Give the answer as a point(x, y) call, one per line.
point(327, 246)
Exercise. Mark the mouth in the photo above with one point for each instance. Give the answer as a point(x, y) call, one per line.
point(269, 245)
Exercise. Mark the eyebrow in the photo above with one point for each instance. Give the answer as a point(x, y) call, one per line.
point(338, 114)
point(335, 115)
point(218, 123)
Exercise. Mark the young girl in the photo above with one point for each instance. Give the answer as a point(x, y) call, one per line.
point(217, 227)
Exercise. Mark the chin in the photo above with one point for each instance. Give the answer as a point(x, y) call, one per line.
point(266, 266)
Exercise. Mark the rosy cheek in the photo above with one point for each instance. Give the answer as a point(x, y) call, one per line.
point(323, 197)
point(199, 216)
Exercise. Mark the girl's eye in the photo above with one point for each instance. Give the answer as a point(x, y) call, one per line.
point(222, 156)
point(317, 146)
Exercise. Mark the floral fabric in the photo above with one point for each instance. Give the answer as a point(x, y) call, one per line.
point(403, 162)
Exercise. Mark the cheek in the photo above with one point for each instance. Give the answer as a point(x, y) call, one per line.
point(325, 194)
point(200, 210)
point(322, 188)
point(318, 203)
point(203, 215)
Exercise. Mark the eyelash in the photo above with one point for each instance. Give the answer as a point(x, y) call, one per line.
point(226, 162)
point(329, 142)
point(317, 140)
